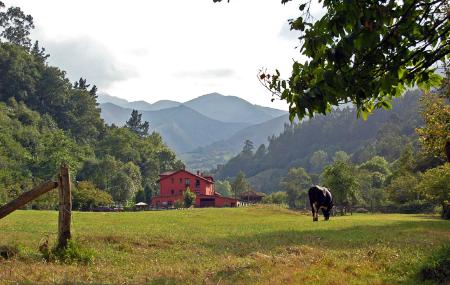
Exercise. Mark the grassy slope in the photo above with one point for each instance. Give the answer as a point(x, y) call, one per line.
point(250, 245)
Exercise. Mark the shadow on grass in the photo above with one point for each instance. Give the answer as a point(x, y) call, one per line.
point(399, 233)
point(398, 236)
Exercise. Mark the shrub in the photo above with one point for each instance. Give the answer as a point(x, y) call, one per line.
point(415, 207)
point(73, 253)
point(178, 204)
point(437, 267)
point(189, 198)
point(86, 196)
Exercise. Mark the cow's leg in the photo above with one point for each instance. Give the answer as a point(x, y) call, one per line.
point(315, 211)
point(326, 213)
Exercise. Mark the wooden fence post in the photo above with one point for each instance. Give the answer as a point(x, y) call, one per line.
point(65, 207)
point(26, 197)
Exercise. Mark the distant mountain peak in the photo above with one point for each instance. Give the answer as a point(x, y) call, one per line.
point(225, 108)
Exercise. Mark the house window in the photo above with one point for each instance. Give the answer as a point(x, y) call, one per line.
point(171, 191)
point(181, 180)
point(188, 182)
point(197, 183)
point(172, 180)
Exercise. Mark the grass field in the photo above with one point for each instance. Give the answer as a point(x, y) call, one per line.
point(261, 245)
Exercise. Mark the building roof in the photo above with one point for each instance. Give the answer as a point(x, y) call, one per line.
point(252, 193)
point(167, 174)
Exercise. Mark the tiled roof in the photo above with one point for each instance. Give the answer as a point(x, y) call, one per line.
point(170, 173)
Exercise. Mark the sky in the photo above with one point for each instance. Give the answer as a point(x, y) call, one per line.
point(168, 50)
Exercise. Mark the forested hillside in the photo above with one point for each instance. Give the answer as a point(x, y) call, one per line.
point(219, 152)
point(394, 161)
point(46, 120)
point(313, 143)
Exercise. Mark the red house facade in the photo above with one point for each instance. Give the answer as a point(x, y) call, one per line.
point(173, 184)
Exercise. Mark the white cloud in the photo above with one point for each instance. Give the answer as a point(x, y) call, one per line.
point(136, 47)
point(87, 58)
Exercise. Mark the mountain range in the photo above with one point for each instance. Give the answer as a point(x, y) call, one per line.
point(205, 131)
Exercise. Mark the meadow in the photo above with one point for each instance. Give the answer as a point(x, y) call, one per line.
point(254, 245)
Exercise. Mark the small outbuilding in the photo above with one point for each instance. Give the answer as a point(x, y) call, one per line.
point(252, 196)
point(141, 206)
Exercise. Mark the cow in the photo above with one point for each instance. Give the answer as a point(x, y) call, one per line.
point(320, 198)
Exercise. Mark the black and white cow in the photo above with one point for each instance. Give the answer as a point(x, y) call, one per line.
point(320, 198)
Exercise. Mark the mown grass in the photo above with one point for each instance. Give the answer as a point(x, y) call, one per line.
point(264, 245)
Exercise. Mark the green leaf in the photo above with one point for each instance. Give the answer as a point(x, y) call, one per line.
point(401, 72)
point(386, 105)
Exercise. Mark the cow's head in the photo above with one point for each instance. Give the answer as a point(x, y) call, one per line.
point(327, 212)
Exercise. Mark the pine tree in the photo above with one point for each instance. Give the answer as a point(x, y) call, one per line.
point(135, 124)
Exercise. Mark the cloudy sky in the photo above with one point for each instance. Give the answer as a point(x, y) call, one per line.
point(175, 50)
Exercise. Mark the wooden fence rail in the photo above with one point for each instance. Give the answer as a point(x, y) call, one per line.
point(27, 197)
point(65, 203)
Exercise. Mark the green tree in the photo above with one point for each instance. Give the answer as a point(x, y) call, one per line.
point(140, 197)
point(435, 135)
point(248, 147)
point(341, 179)
point(363, 52)
point(239, 185)
point(435, 186)
point(279, 198)
point(15, 25)
point(133, 171)
point(296, 185)
point(86, 196)
point(122, 189)
point(318, 160)
point(188, 198)
point(403, 188)
point(341, 156)
point(136, 125)
point(376, 164)
point(371, 187)
point(223, 187)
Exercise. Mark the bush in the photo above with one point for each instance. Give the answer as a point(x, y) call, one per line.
point(73, 253)
point(178, 204)
point(189, 198)
point(86, 197)
point(416, 207)
point(437, 267)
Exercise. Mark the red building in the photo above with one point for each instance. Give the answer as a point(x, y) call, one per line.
point(174, 183)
